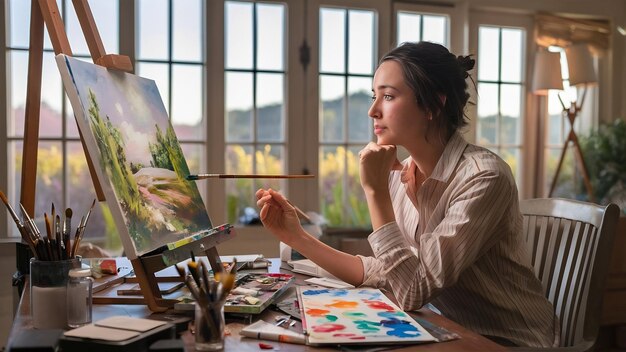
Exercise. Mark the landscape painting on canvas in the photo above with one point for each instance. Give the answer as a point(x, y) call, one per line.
point(136, 154)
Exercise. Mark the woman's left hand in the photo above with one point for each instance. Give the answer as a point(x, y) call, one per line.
point(376, 162)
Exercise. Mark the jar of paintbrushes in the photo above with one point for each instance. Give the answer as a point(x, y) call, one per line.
point(210, 295)
point(54, 255)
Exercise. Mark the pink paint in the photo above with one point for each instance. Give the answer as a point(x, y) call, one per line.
point(378, 305)
point(330, 327)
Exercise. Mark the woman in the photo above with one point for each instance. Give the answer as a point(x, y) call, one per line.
point(446, 221)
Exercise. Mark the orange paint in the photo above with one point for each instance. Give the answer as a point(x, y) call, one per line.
point(343, 304)
point(317, 312)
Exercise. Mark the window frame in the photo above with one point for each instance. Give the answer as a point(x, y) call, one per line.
point(528, 140)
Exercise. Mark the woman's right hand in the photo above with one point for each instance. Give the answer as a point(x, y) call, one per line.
point(278, 215)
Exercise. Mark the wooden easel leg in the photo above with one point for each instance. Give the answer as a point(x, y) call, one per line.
point(558, 168)
point(33, 102)
point(214, 259)
point(152, 295)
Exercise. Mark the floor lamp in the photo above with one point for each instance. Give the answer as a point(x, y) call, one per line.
point(546, 77)
point(582, 73)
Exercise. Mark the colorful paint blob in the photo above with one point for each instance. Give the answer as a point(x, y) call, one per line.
point(317, 312)
point(400, 328)
point(343, 304)
point(367, 326)
point(332, 293)
point(329, 327)
point(350, 336)
point(354, 315)
point(378, 305)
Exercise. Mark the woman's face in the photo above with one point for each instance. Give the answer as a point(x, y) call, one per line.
point(398, 120)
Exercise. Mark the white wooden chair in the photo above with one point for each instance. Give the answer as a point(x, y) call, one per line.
point(570, 243)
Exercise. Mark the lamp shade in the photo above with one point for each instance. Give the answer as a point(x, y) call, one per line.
point(580, 65)
point(547, 74)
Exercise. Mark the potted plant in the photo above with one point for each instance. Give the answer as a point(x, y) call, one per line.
point(604, 151)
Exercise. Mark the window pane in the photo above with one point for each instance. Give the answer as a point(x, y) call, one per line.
point(49, 177)
point(358, 213)
point(332, 165)
point(270, 107)
point(332, 40)
point(359, 101)
point(195, 156)
point(488, 53)
point(238, 107)
point(19, 18)
point(409, 27)
point(239, 192)
point(238, 37)
point(512, 53)
point(269, 160)
point(270, 36)
point(14, 173)
point(361, 42)
point(487, 113)
point(50, 118)
point(106, 16)
point(153, 30)
point(158, 73)
point(186, 113)
point(435, 29)
point(332, 119)
point(81, 193)
point(511, 112)
point(187, 30)
point(18, 77)
point(512, 157)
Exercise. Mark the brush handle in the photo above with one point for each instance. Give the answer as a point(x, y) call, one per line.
point(205, 176)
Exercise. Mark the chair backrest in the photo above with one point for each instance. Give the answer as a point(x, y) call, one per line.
point(570, 244)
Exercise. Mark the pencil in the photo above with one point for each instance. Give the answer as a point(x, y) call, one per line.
point(205, 176)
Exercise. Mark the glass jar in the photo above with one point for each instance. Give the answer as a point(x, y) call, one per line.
point(48, 292)
point(79, 297)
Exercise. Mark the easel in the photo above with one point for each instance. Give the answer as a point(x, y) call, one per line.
point(145, 266)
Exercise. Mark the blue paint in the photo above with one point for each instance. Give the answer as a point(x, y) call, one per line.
point(371, 295)
point(400, 328)
point(332, 293)
point(391, 315)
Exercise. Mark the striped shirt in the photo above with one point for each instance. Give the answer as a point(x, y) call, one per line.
point(458, 245)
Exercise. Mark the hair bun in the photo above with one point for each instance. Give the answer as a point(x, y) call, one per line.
point(466, 63)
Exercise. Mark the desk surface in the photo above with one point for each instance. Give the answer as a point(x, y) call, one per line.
point(469, 340)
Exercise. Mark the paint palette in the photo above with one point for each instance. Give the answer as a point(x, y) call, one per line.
point(356, 316)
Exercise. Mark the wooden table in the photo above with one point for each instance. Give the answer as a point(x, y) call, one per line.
point(469, 340)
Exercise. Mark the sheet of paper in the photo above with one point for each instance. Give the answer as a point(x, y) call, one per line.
point(101, 333)
point(129, 323)
point(356, 316)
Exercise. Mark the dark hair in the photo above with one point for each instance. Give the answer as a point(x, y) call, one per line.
point(430, 70)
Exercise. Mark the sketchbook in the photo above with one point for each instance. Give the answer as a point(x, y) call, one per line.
point(356, 316)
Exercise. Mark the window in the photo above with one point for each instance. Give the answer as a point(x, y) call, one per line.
point(255, 73)
point(62, 174)
point(501, 90)
point(347, 59)
point(416, 27)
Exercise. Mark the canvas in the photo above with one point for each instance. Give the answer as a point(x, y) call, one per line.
point(136, 154)
point(356, 316)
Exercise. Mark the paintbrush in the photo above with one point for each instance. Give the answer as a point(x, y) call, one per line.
point(20, 226)
point(67, 228)
point(205, 176)
point(76, 238)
